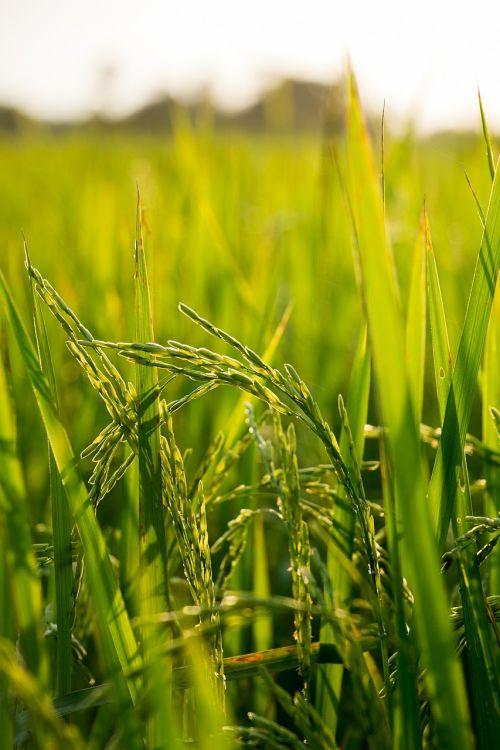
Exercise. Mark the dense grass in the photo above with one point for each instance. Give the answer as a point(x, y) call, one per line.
point(346, 540)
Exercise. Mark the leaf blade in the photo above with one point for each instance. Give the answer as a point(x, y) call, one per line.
point(444, 677)
point(116, 632)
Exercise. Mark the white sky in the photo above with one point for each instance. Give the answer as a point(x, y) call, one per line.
point(426, 57)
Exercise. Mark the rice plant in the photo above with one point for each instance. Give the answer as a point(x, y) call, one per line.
point(366, 580)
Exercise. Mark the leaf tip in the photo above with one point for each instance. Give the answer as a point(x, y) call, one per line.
point(27, 260)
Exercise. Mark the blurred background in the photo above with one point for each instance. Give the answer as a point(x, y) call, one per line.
point(63, 61)
point(230, 117)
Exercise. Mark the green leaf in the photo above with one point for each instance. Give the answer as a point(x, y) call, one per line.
point(151, 516)
point(62, 523)
point(49, 729)
point(263, 626)
point(405, 707)
point(491, 431)
point(416, 319)
point(152, 542)
point(17, 542)
point(420, 562)
point(7, 632)
point(330, 677)
point(485, 689)
point(207, 718)
point(439, 331)
point(443, 485)
point(119, 644)
point(487, 139)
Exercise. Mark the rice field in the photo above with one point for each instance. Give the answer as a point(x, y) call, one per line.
point(249, 441)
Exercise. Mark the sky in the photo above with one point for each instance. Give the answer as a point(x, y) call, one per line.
point(67, 58)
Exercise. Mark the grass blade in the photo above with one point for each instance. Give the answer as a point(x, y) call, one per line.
point(7, 632)
point(263, 626)
point(420, 560)
point(487, 139)
point(443, 485)
point(330, 677)
point(18, 545)
point(62, 523)
point(50, 729)
point(208, 715)
point(406, 710)
point(416, 320)
point(405, 717)
point(439, 331)
point(129, 542)
point(484, 680)
point(491, 397)
point(151, 520)
point(152, 543)
point(119, 644)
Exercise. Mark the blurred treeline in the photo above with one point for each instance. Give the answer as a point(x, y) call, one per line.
point(288, 106)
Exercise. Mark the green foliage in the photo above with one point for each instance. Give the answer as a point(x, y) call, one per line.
point(129, 560)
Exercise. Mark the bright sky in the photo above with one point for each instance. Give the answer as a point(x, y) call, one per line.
point(425, 58)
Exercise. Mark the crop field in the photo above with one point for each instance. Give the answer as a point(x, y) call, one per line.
point(249, 440)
